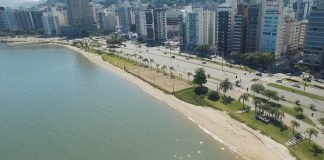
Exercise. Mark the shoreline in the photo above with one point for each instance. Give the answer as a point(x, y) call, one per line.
point(238, 137)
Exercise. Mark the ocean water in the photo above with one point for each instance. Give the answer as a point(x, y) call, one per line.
point(57, 105)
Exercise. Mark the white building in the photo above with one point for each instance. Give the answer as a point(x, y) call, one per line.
point(200, 28)
point(53, 20)
point(51, 24)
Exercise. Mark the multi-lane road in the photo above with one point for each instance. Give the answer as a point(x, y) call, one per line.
point(182, 65)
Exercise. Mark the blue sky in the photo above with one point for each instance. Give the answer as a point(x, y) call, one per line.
point(13, 3)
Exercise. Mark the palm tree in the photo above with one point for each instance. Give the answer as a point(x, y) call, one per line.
point(294, 124)
point(157, 67)
point(257, 104)
point(189, 74)
point(164, 68)
point(226, 85)
point(311, 132)
point(271, 94)
point(171, 69)
point(244, 97)
point(151, 62)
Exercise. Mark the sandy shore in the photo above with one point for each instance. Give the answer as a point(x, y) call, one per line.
point(235, 135)
point(238, 137)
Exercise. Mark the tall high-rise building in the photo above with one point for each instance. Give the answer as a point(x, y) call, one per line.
point(252, 29)
point(314, 40)
point(271, 28)
point(51, 24)
point(225, 18)
point(23, 20)
point(140, 22)
point(106, 20)
point(79, 13)
point(302, 34)
point(36, 17)
point(160, 24)
point(301, 9)
point(149, 25)
point(173, 23)
point(290, 34)
point(124, 21)
point(238, 37)
point(200, 28)
point(7, 19)
point(155, 25)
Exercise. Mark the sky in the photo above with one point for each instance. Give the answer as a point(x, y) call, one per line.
point(14, 3)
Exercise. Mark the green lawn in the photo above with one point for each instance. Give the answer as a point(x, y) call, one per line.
point(303, 151)
point(118, 61)
point(294, 113)
point(310, 95)
point(189, 96)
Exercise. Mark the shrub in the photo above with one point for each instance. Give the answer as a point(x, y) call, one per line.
point(214, 96)
point(227, 100)
point(201, 90)
point(300, 116)
point(321, 120)
point(297, 102)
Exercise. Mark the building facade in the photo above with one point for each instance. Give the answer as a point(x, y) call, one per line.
point(252, 29)
point(314, 40)
point(271, 27)
point(79, 13)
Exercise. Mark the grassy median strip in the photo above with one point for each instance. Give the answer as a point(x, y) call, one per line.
point(292, 112)
point(302, 93)
point(302, 151)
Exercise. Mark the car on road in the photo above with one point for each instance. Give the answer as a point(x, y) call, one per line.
point(173, 57)
point(204, 62)
point(279, 81)
point(187, 58)
point(296, 85)
point(165, 53)
point(259, 74)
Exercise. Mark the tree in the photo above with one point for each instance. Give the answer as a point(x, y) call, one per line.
point(171, 69)
point(257, 88)
point(200, 77)
point(294, 124)
point(312, 107)
point(299, 109)
point(226, 85)
point(164, 67)
point(151, 62)
point(157, 67)
point(189, 74)
point(244, 97)
point(271, 94)
point(257, 103)
point(311, 132)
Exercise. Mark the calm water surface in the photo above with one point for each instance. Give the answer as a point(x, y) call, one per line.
point(56, 105)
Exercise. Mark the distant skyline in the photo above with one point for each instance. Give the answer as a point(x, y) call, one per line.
point(14, 3)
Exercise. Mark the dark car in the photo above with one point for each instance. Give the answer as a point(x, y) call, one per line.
point(172, 56)
point(259, 74)
point(279, 81)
